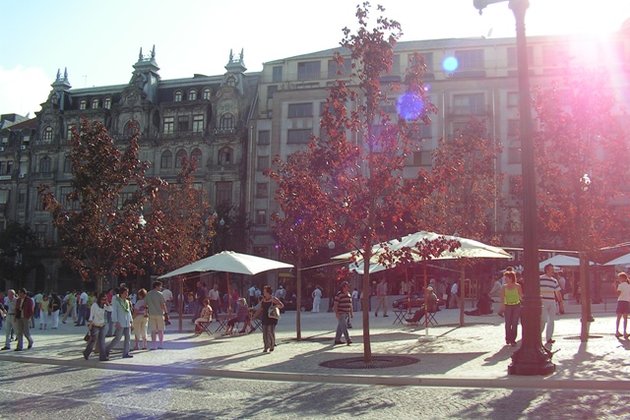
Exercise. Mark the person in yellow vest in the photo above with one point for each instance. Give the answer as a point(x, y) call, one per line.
point(511, 296)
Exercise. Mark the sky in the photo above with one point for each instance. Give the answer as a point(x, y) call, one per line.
point(99, 41)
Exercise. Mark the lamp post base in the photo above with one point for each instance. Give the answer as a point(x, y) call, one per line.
point(531, 361)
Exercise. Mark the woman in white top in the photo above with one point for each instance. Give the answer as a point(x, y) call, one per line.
point(140, 320)
point(96, 324)
point(623, 303)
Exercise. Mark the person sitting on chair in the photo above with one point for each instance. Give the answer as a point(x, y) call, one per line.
point(484, 306)
point(242, 315)
point(204, 318)
point(431, 304)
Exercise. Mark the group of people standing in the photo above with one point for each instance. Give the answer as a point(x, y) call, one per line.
point(148, 312)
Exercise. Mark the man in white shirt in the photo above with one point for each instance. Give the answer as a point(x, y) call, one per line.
point(168, 297)
point(82, 309)
point(549, 294)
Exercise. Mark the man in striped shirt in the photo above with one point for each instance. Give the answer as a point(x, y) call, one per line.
point(549, 293)
point(343, 311)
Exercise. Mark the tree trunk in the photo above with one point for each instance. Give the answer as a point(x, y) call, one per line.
point(365, 307)
point(461, 299)
point(298, 303)
point(585, 296)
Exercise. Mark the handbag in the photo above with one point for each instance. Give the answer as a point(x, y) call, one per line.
point(274, 312)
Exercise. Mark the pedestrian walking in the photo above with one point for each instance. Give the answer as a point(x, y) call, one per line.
point(44, 312)
point(343, 311)
point(549, 293)
point(268, 319)
point(623, 303)
point(156, 307)
point(97, 326)
point(140, 320)
point(381, 297)
point(9, 326)
point(511, 296)
point(121, 317)
point(24, 310)
point(54, 308)
point(317, 298)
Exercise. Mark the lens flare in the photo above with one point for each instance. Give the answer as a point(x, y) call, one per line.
point(410, 106)
point(450, 64)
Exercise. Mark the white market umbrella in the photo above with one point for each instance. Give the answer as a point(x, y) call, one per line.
point(561, 261)
point(469, 248)
point(623, 260)
point(230, 262)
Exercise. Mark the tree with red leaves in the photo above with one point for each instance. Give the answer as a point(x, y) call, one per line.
point(99, 221)
point(350, 186)
point(582, 155)
point(179, 225)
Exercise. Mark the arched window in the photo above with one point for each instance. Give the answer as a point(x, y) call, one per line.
point(107, 104)
point(166, 161)
point(225, 156)
point(206, 94)
point(95, 103)
point(83, 104)
point(195, 156)
point(180, 157)
point(192, 95)
point(44, 165)
point(227, 122)
point(178, 96)
point(48, 134)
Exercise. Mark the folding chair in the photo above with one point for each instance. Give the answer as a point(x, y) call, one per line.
point(431, 318)
point(206, 326)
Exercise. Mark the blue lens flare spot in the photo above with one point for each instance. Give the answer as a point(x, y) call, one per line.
point(450, 64)
point(410, 106)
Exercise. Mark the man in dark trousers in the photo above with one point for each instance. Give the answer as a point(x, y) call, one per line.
point(24, 309)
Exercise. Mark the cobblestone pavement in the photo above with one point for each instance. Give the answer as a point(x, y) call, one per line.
point(461, 373)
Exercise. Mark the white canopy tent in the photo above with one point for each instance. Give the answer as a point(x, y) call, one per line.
point(561, 261)
point(623, 260)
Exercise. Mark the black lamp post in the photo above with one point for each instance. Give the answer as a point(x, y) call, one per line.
point(531, 358)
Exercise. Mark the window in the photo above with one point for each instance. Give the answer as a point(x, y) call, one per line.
point(512, 99)
point(180, 157)
point(67, 202)
point(83, 104)
point(166, 161)
point(423, 158)
point(427, 58)
point(206, 94)
point(227, 122)
point(225, 156)
point(469, 60)
point(513, 130)
point(169, 125)
point(271, 90)
point(178, 96)
point(107, 103)
point(276, 74)
point(299, 136)
point(198, 124)
point(9, 167)
point(262, 189)
point(124, 198)
point(69, 132)
point(516, 185)
point(192, 95)
point(514, 154)
point(48, 134)
point(264, 137)
point(336, 70)
point(224, 193)
point(261, 217)
point(426, 132)
point(182, 123)
point(195, 156)
point(309, 70)
point(44, 165)
point(300, 110)
point(6, 167)
point(95, 103)
point(4, 196)
point(262, 163)
point(67, 165)
point(469, 104)
point(41, 233)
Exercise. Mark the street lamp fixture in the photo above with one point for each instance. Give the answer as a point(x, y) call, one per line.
point(531, 358)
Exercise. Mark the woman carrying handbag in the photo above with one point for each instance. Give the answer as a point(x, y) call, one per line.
point(269, 313)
